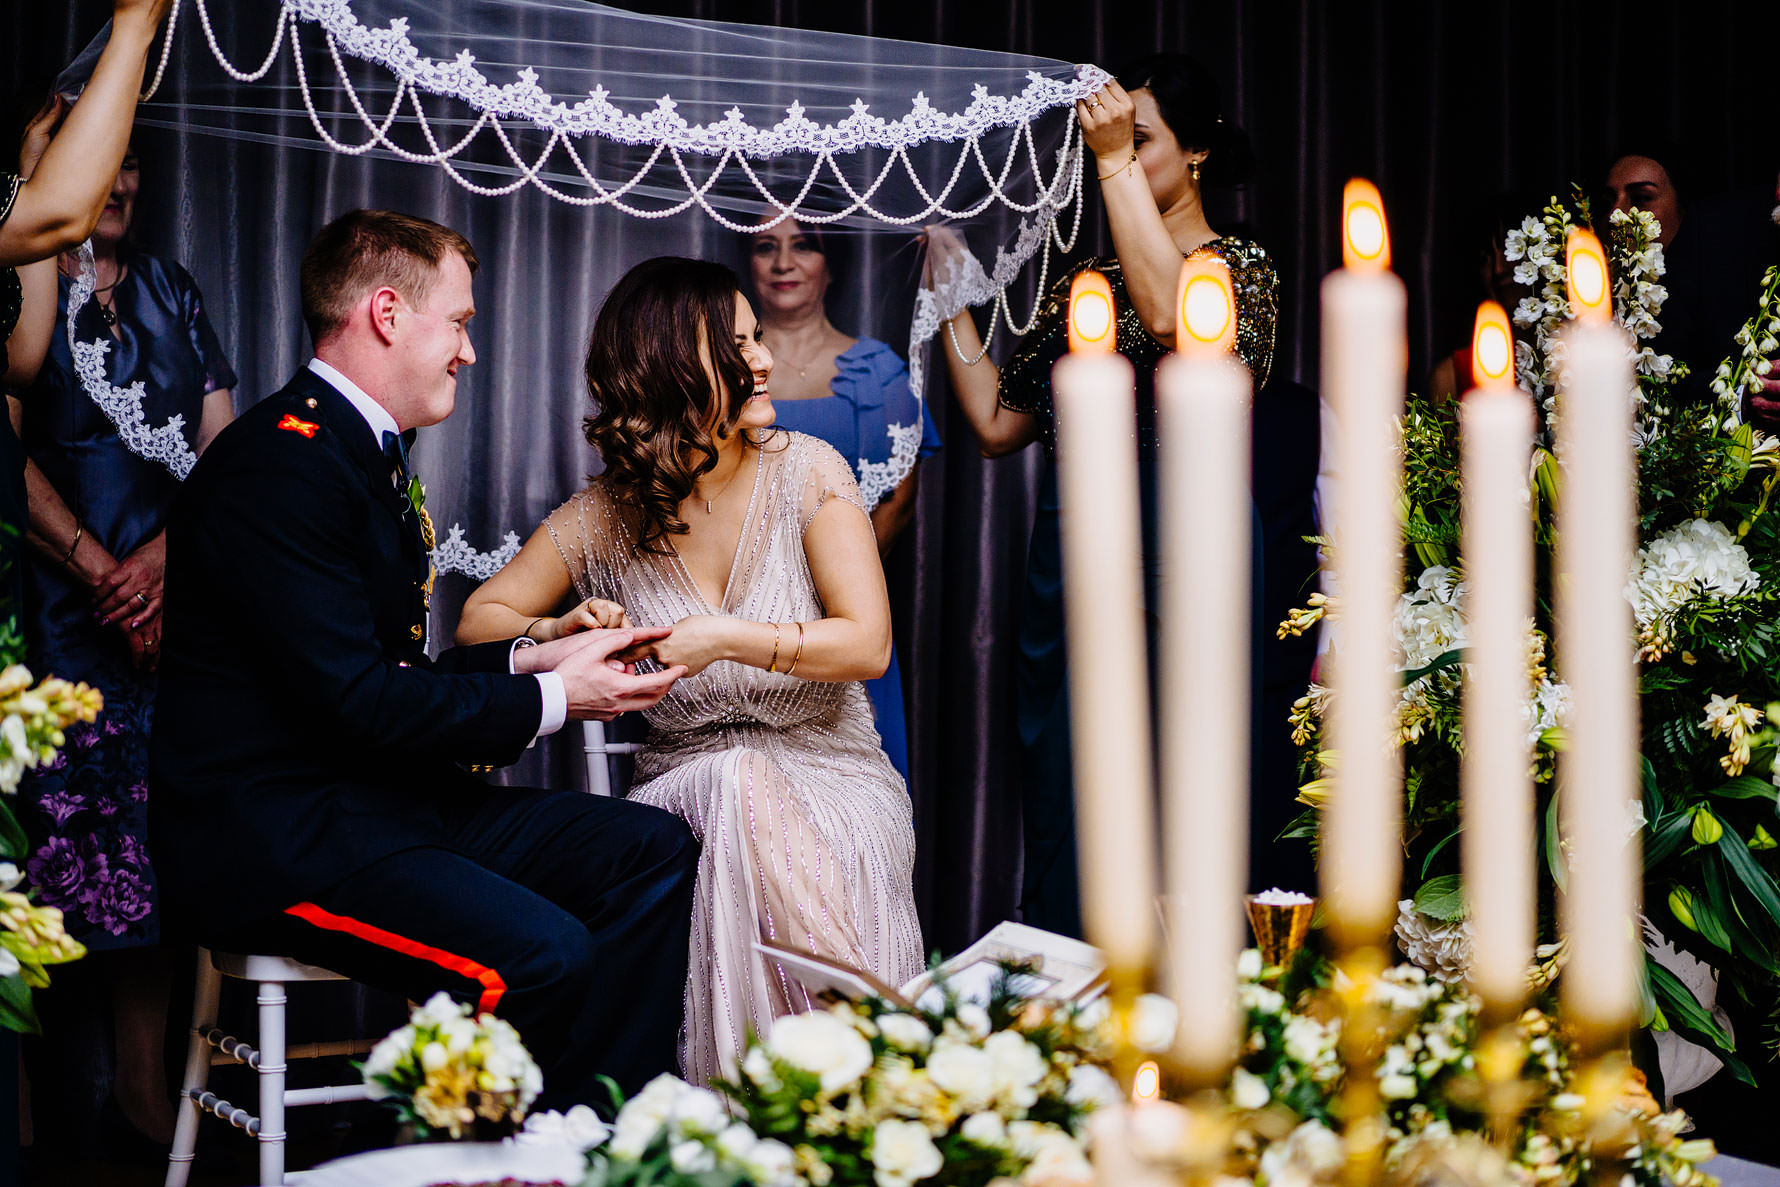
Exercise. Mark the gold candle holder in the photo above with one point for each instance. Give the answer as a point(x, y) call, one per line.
point(1280, 928)
point(1362, 1109)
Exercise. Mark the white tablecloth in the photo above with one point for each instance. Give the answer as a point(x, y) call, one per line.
point(455, 1162)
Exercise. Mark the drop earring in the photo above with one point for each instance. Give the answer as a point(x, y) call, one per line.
point(1194, 169)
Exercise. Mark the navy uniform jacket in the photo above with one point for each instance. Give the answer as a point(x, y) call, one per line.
point(300, 730)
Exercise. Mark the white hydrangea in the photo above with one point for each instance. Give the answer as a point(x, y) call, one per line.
point(964, 1070)
point(1440, 948)
point(1699, 557)
point(1016, 1067)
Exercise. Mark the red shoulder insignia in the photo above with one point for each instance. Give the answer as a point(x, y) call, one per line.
point(291, 424)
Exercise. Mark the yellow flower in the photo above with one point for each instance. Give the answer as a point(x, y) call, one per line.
point(1299, 621)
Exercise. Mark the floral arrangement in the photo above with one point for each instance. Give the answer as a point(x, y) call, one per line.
point(873, 1095)
point(33, 717)
point(1704, 599)
point(449, 1074)
point(1285, 1093)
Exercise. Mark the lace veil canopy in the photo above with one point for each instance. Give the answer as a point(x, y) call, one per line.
point(654, 135)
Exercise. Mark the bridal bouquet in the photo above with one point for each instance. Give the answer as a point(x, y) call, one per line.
point(33, 717)
point(871, 1095)
point(1705, 596)
point(449, 1074)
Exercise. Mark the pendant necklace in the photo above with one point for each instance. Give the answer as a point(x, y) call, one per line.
point(730, 483)
point(107, 313)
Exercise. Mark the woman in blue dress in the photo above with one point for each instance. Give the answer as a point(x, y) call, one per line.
point(95, 560)
point(854, 394)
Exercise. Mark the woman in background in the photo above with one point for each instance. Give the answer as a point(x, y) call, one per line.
point(96, 560)
point(1156, 138)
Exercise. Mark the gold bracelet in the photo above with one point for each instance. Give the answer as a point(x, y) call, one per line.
point(799, 654)
point(772, 665)
point(79, 530)
point(1115, 172)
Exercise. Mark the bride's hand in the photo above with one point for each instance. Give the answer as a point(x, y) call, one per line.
point(696, 643)
point(595, 614)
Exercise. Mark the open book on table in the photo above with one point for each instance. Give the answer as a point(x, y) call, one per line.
point(1062, 969)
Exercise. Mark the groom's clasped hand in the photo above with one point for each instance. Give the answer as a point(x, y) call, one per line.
point(599, 681)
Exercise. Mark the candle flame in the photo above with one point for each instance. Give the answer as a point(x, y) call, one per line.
point(1146, 1085)
point(1207, 305)
point(1365, 238)
point(1492, 347)
point(1091, 323)
point(1591, 297)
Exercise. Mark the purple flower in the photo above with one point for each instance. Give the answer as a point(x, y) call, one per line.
point(116, 901)
point(60, 805)
point(131, 850)
point(87, 738)
point(112, 728)
point(139, 792)
point(58, 763)
point(60, 871)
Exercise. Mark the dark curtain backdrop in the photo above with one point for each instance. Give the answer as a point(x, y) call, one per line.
point(1443, 104)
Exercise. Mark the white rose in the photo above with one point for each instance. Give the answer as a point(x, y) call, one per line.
point(580, 1127)
point(433, 1056)
point(692, 1156)
point(736, 1142)
point(698, 1112)
point(965, 1071)
point(388, 1053)
point(1153, 1022)
point(1248, 1090)
point(439, 1010)
point(1248, 965)
point(823, 1045)
point(1018, 1067)
point(1090, 1085)
point(1059, 1162)
point(757, 1065)
point(985, 1129)
point(771, 1162)
point(905, 1032)
point(902, 1153)
point(974, 1019)
point(9, 875)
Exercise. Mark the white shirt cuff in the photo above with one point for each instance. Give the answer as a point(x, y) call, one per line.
point(556, 697)
point(556, 703)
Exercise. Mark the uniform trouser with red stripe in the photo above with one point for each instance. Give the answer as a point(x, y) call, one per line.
point(564, 913)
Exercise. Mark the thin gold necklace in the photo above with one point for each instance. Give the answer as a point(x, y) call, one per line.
point(732, 478)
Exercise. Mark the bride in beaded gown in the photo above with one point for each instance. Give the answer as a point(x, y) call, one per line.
point(766, 566)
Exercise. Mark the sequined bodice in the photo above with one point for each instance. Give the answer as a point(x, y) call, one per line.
point(769, 581)
point(1025, 384)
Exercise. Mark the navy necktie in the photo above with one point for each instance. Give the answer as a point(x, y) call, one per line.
point(395, 448)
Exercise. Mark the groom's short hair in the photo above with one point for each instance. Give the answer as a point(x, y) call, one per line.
point(364, 250)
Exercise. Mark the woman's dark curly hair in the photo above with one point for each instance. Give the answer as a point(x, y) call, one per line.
point(656, 417)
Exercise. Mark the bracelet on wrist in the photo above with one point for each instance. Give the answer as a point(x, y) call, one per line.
point(799, 654)
point(1129, 161)
point(772, 665)
point(527, 632)
point(79, 531)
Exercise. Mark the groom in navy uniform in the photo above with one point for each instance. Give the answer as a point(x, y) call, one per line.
point(307, 792)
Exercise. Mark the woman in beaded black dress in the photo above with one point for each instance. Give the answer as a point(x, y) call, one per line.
point(1155, 138)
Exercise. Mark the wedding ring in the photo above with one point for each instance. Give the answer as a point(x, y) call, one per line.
point(141, 598)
